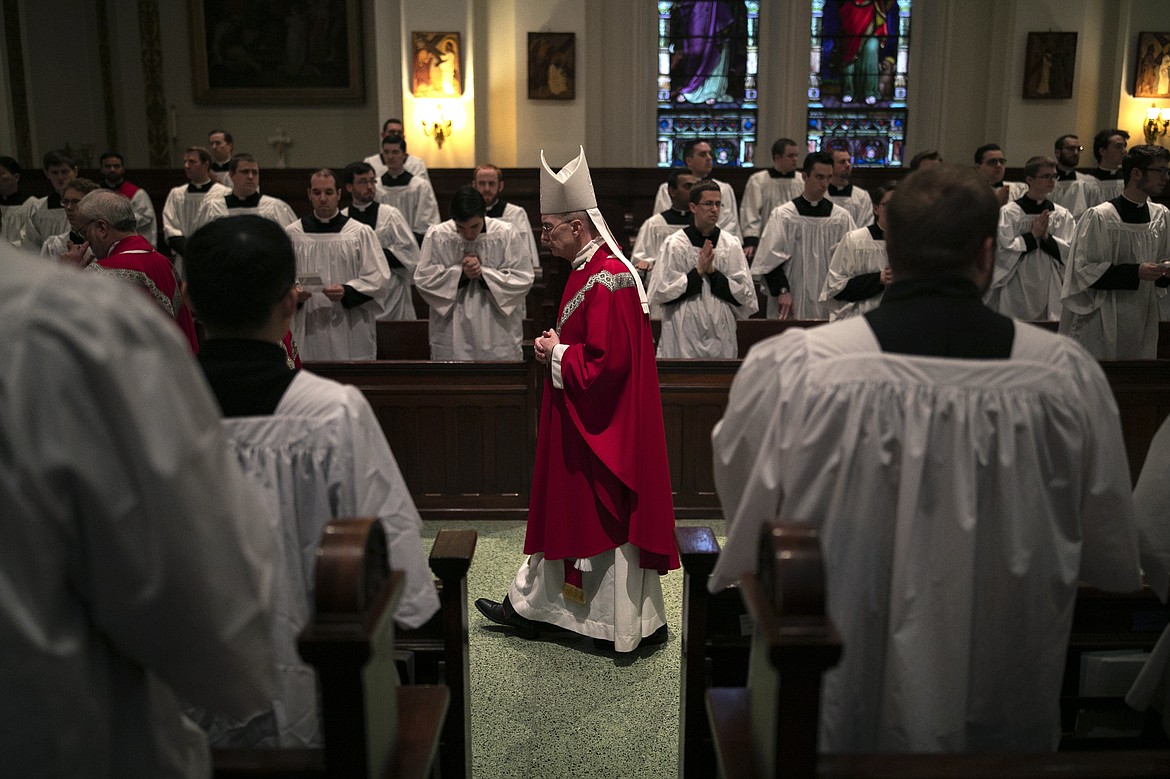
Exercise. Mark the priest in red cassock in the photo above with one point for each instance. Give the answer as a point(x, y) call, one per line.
point(108, 226)
point(601, 519)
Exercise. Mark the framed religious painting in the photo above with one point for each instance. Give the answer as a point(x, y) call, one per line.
point(1152, 73)
point(552, 64)
point(1049, 62)
point(436, 64)
point(302, 51)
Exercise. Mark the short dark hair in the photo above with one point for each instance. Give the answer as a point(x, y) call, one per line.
point(108, 154)
point(234, 164)
point(1101, 139)
point(395, 139)
point(467, 203)
point(889, 185)
point(10, 165)
point(1141, 157)
point(325, 172)
point(704, 186)
point(1059, 144)
point(392, 120)
point(780, 144)
point(816, 158)
point(922, 156)
point(227, 137)
point(201, 151)
point(54, 158)
point(237, 268)
point(83, 186)
point(673, 174)
point(688, 147)
point(1032, 166)
point(982, 150)
point(939, 220)
point(355, 169)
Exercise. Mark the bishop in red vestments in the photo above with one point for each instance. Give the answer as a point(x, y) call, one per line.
point(601, 519)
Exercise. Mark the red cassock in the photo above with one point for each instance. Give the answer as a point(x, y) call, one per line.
point(134, 259)
point(601, 477)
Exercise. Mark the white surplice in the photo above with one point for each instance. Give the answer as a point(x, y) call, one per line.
point(702, 326)
point(135, 555)
point(327, 330)
point(1071, 194)
point(413, 164)
point(416, 201)
point(319, 456)
point(803, 245)
point(518, 218)
point(857, 254)
point(483, 319)
point(728, 214)
point(395, 236)
point(12, 219)
point(40, 222)
point(1098, 191)
point(763, 194)
point(181, 213)
point(269, 207)
point(958, 504)
point(1114, 324)
point(647, 246)
point(859, 204)
point(1027, 284)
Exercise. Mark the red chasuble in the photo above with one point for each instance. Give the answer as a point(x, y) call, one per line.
point(601, 476)
point(134, 259)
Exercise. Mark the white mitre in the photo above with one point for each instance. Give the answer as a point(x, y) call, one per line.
point(571, 189)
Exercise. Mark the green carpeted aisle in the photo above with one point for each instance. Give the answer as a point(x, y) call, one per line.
point(559, 708)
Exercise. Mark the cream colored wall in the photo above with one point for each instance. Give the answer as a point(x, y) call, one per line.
point(966, 73)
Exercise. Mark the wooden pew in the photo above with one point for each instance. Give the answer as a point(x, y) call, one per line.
point(761, 732)
point(371, 726)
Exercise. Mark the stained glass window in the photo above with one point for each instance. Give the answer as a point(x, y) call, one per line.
point(857, 79)
point(708, 58)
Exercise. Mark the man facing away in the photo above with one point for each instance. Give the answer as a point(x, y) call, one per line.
point(767, 190)
point(114, 178)
point(600, 519)
point(45, 216)
point(1119, 265)
point(136, 558)
point(184, 202)
point(394, 236)
point(411, 162)
point(240, 276)
point(702, 284)
point(853, 199)
point(344, 275)
point(474, 275)
point(698, 160)
point(412, 195)
point(964, 472)
point(794, 251)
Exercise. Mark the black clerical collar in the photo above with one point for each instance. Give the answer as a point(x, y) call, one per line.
point(1131, 212)
point(220, 167)
point(196, 189)
point(672, 217)
point(876, 232)
point(1068, 175)
point(773, 173)
point(251, 201)
point(312, 224)
point(15, 199)
point(845, 191)
point(1030, 206)
point(1106, 175)
point(805, 208)
point(367, 214)
point(697, 239)
point(496, 210)
point(397, 181)
point(248, 377)
point(53, 201)
point(940, 317)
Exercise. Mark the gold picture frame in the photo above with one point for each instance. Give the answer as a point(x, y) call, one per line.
point(1152, 71)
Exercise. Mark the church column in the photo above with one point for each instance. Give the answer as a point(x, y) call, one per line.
point(16, 133)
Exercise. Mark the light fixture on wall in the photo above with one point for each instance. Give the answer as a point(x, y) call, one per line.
point(436, 126)
point(1156, 123)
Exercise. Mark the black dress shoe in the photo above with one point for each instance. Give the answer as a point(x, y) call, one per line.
point(657, 637)
point(504, 614)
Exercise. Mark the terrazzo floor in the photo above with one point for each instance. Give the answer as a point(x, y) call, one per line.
point(559, 708)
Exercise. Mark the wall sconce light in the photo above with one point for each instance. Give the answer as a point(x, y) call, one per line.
point(438, 127)
point(1156, 123)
